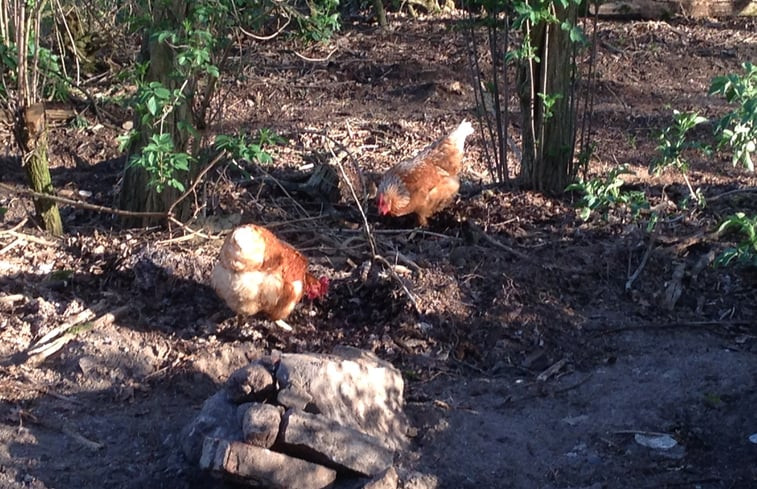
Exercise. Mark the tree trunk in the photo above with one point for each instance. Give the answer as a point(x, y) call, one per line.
point(378, 5)
point(31, 135)
point(548, 138)
point(137, 194)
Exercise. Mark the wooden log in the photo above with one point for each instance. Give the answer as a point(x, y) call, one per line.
point(661, 9)
point(53, 113)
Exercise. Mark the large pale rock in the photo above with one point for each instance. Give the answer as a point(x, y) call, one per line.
point(217, 419)
point(260, 467)
point(322, 440)
point(352, 387)
point(388, 479)
point(260, 423)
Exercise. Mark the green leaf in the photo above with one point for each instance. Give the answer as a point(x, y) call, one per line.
point(152, 106)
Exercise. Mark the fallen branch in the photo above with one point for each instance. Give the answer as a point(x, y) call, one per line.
point(194, 185)
point(59, 337)
point(731, 192)
point(79, 204)
point(367, 228)
point(509, 249)
point(635, 275)
point(10, 299)
point(315, 60)
point(33, 239)
point(399, 280)
point(60, 425)
point(16, 227)
point(11, 245)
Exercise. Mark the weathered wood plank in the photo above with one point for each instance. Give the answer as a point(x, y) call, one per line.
point(660, 9)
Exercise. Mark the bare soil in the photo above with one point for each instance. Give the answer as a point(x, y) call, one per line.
point(529, 370)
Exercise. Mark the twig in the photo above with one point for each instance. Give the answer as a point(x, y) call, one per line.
point(552, 370)
point(390, 268)
point(60, 425)
point(186, 237)
point(406, 231)
point(731, 192)
point(509, 249)
point(315, 60)
point(264, 38)
point(80, 204)
point(11, 245)
point(297, 205)
point(42, 350)
point(367, 229)
point(10, 299)
point(274, 224)
point(14, 228)
point(639, 432)
point(366, 225)
point(682, 324)
point(197, 181)
point(407, 261)
point(632, 278)
point(33, 239)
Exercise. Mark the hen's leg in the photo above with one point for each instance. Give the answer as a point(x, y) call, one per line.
point(282, 324)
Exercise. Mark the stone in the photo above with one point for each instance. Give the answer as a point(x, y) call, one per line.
point(350, 386)
point(419, 480)
point(217, 418)
point(251, 383)
point(388, 479)
point(324, 441)
point(260, 423)
point(260, 467)
point(294, 398)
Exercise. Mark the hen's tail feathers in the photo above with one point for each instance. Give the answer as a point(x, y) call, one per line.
point(458, 136)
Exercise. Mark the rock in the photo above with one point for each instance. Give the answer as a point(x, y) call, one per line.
point(352, 387)
point(387, 479)
point(260, 423)
point(257, 466)
point(294, 398)
point(324, 441)
point(418, 480)
point(216, 364)
point(253, 382)
point(217, 419)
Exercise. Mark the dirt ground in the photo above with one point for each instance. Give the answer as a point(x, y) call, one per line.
point(535, 371)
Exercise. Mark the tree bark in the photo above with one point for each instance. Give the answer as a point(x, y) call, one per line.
point(378, 5)
point(31, 135)
point(548, 138)
point(137, 194)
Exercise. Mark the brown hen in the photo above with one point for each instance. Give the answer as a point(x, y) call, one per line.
point(258, 273)
point(427, 182)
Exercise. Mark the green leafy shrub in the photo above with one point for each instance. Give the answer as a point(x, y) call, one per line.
point(738, 128)
point(673, 142)
point(242, 147)
point(600, 195)
point(746, 251)
point(158, 157)
point(323, 21)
